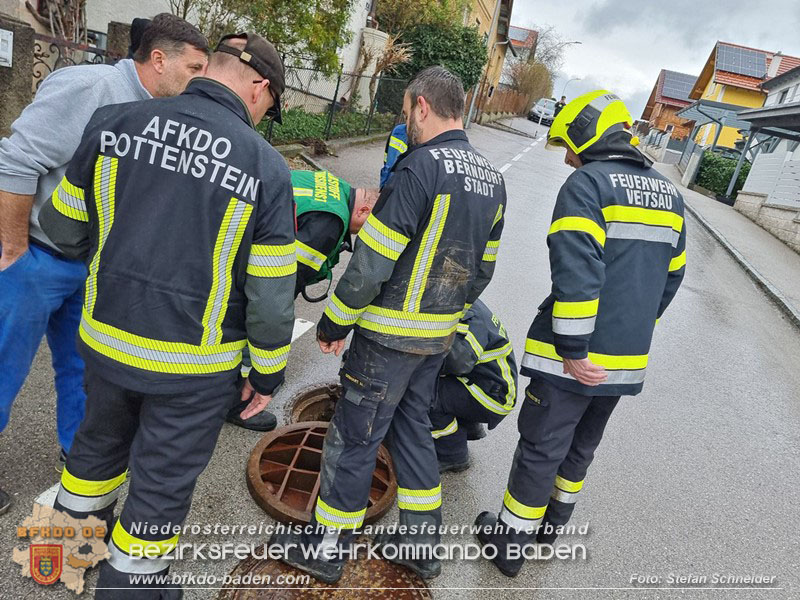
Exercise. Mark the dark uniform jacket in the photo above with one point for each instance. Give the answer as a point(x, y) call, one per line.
point(425, 253)
point(184, 215)
point(482, 359)
point(617, 254)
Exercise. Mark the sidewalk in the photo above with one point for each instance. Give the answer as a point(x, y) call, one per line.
point(769, 262)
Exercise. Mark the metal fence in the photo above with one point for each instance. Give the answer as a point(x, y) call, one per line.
point(51, 53)
point(688, 150)
point(316, 106)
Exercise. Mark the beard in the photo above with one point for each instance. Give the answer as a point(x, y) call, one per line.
point(413, 131)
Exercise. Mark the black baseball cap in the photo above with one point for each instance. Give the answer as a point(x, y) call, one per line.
point(262, 56)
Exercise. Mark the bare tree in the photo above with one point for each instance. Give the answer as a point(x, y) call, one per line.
point(66, 19)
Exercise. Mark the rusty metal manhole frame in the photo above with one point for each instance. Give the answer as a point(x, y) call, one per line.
point(298, 455)
point(307, 397)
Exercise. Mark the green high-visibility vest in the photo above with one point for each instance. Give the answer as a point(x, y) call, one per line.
point(322, 191)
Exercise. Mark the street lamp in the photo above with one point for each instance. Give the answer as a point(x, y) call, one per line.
point(564, 90)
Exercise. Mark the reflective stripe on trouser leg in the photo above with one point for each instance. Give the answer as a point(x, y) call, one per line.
point(131, 554)
point(419, 492)
point(85, 496)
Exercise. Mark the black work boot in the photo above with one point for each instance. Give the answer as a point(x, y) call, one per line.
point(454, 464)
point(475, 431)
point(263, 421)
point(322, 570)
point(5, 502)
point(486, 522)
point(426, 567)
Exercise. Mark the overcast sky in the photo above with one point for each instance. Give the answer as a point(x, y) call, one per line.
point(625, 43)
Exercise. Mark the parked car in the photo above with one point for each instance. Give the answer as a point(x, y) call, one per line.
point(543, 111)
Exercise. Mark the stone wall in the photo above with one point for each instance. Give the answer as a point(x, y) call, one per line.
point(781, 221)
point(15, 81)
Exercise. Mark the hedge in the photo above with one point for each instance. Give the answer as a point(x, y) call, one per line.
point(301, 126)
point(715, 173)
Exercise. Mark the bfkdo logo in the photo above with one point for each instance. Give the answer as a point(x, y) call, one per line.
point(46, 562)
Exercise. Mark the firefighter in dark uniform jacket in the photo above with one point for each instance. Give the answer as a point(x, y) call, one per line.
point(424, 255)
point(478, 384)
point(184, 215)
point(328, 211)
point(617, 255)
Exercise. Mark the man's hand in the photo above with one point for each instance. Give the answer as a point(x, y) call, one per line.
point(585, 371)
point(335, 346)
point(258, 402)
point(15, 211)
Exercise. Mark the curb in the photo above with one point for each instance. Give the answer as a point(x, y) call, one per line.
point(335, 146)
point(311, 162)
point(769, 289)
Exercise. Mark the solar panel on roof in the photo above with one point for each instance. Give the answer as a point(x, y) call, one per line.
point(677, 85)
point(742, 61)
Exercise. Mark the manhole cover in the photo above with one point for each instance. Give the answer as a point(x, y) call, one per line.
point(314, 403)
point(283, 474)
point(362, 578)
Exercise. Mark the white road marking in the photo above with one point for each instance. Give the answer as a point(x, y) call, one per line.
point(517, 157)
point(534, 143)
point(528, 149)
point(48, 497)
point(300, 327)
point(505, 167)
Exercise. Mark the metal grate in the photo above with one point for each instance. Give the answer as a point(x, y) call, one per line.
point(742, 61)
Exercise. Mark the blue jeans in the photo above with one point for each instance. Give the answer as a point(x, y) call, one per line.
point(42, 294)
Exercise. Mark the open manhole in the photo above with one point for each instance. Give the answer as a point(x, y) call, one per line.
point(362, 578)
point(314, 403)
point(283, 474)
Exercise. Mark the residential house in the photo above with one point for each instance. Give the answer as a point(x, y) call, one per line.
point(496, 38)
point(670, 94)
point(523, 42)
point(731, 79)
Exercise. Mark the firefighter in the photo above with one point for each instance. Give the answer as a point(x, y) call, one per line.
point(422, 258)
point(477, 385)
point(396, 146)
point(184, 214)
point(617, 255)
point(329, 210)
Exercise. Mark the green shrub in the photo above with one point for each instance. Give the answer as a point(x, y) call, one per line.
point(715, 173)
point(301, 126)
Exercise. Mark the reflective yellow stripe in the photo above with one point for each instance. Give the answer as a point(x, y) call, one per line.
point(157, 355)
point(384, 240)
point(678, 262)
point(341, 314)
point(581, 224)
point(420, 500)
point(403, 323)
point(519, 509)
point(609, 361)
point(309, 256)
point(105, 183)
point(124, 540)
point(298, 191)
point(498, 215)
point(268, 361)
point(490, 254)
point(85, 487)
point(646, 216)
point(449, 430)
point(272, 260)
point(472, 341)
point(398, 144)
point(576, 310)
point(567, 485)
point(229, 237)
point(70, 201)
point(487, 401)
point(333, 517)
point(427, 250)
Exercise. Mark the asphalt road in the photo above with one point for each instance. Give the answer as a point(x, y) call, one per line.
point(695, 475)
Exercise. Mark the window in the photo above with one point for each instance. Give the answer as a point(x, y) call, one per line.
point(782, 97)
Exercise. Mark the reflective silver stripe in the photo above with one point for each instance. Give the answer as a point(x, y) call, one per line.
point(223, 276)
point(313, 259)
point(487, 401)
point(70, 200)
point(383, 240)
point(565, 497)
point(555, 367)
point(86, 503)
point(105, 207)
point(130, 564)
point(573, 326)
point(427, 247)
point(284, 260)
point(518, 523)
point(424, 502)
point(449, 430)
point(491, 251)
point(640, 231)
point(273, 360)
point(348, 317)
point(164, 356)
point(344, 521)
point(408, 323)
